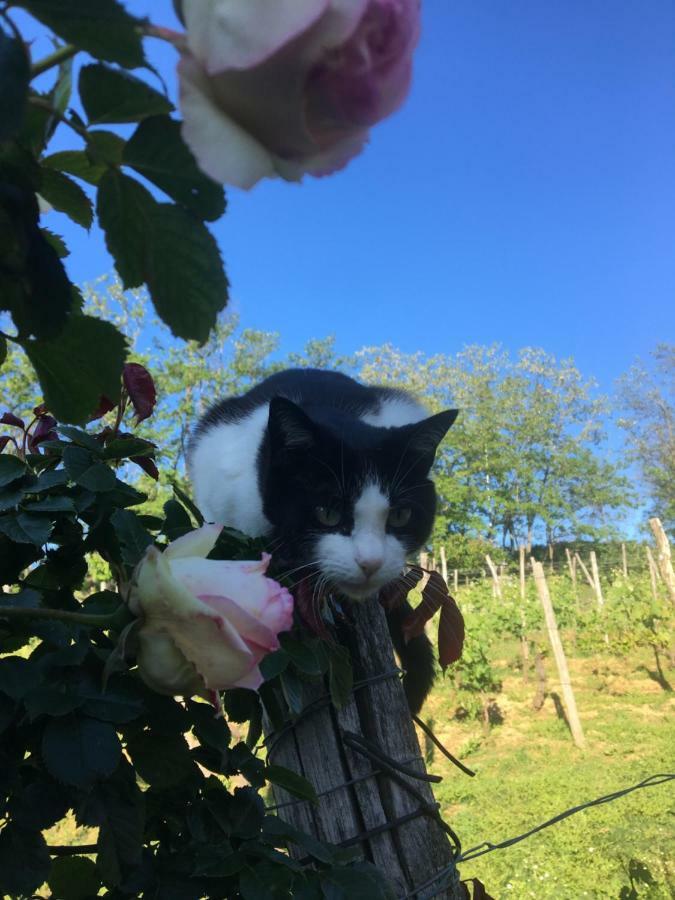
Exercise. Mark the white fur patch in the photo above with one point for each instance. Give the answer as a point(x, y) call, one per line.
point(223, 472)
point(395, 412)
point(365, 560)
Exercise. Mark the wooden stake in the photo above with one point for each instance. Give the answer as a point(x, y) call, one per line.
point(624, 560)
point(663, 557)
point(444, 565)
point(497, 588)
point(585, 571)
point(559, 654)
point(424, 560)
point(524, 643)
point(433, 564)
point(455, 579)
point(653, 574)
point(572, 566)
point(596, 579)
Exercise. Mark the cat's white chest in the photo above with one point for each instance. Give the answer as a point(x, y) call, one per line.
point(224, 474)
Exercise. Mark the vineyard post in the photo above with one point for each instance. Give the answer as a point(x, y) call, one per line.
point(559, 654)
point(624, 560)
point(444, 565)
point(496, 585)
point(455, 580)
point(424, 560)
point(433, 564)
point(585, 571)
point(663, 556)
point(653, 574)
point(596, 579)
point(524, 643)
point(572, 566)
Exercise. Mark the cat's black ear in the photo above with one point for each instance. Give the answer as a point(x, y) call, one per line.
point(289, 427)
point(424, 437)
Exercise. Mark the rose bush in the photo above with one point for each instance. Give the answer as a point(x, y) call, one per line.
point(293, 89)
point(206, 624)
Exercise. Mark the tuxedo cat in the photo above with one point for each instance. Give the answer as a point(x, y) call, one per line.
point(337, 475)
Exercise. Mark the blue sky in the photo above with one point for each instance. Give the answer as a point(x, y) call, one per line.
point(524, 194)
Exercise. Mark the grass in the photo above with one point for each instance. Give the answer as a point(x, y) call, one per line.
point(528, 770)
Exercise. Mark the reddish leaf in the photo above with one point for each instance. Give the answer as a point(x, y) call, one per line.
point(4, 440)
point(105, 405)
point(393, 594)
point(308, 605)
point(148, 465)
point(43, 431)
point(451, 622)
point(9, 418)
point(141, 389)
point(40, 410)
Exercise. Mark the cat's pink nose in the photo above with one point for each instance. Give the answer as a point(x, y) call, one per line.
point(369, 566)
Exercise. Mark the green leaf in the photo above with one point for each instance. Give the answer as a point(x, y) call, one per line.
point(340, 676)
point(81, 438)
point(362, 881)
point(134, 539)
point(57, 244)
point(292, 782)
point(24, 861)
point(163, 761)
point(85, 362)
point(184, 272)
point(49, 700)
point(111, 95)
point(26, 529)
point(47, 481)
point(66, 196)
point(120, 704)
point(123, 207)
point(73, 878)
point(76, 162)
point(14, 78)
point(11, 469)
point(302, 655)
point(51, 504)
point(86, 471)
point(17, 675)
point(102, 28)
point(157, 151)
point(291, 687)
point(105, 148)
point(276, 828)
point(78, 750)
point(274, 664)
point(123, 448)
point(10, 498)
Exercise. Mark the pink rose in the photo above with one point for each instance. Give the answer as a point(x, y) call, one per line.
point(289, 87)
point(206, 623)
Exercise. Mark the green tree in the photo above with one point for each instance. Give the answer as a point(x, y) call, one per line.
point(646, 402)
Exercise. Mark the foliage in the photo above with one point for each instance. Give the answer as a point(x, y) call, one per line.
point(165, 245)
point(646, 405)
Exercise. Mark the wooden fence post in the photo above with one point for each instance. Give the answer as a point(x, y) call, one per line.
point(357, 794)
point(496, 585)
point(653, 574)
point(524, 643)
point(424, 560)
point(585, 571)
point(624, 560)
point(559, 654)
point(433, 564)
point(663, 557)
point(455, 580)
point(596, 579)
point(444, 565)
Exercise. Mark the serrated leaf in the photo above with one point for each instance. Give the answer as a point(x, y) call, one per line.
point(11, 469)
point(48, 481)
point(77, 163)
point(123, 448)
point(79, 751)
point(274, 664)
point(141, 390)
point(292, 782)
point(103, 28)
point(81, 438)
point(66, 196)
point(10, 498)
point(163, 761)
point(134, 539)
point(123, 208)
point(157, 151)
point(85, 362)
point(17, 675)
point(56, 242)
point(14, 78)
point(105, 147)
point(24, 528)
point(48, 700)
point(184, 272)
point(24, 861)
point(302, 655)
point(362, 881)
point(55, 503)
point(85, 470)
point(111, 95)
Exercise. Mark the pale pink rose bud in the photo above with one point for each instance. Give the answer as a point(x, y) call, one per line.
point(290, 87)
point(206, 624)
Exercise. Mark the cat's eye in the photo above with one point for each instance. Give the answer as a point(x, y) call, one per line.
point(399, 516)
point(329, 516)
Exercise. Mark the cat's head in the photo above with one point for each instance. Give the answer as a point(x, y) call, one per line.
point(349, 502)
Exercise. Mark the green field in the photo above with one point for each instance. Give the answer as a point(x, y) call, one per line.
point(528, 770)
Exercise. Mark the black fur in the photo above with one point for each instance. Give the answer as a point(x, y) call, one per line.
point(317, 452)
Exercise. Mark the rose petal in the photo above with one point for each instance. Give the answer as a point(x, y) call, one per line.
point(252, 681)
point(325, 163)
point(163, 667)
point(231, 34)
point(218, 653)
point(251, 629)
point(223, 150)
point(217, 577)
point(336, 26)
point(199, 542)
